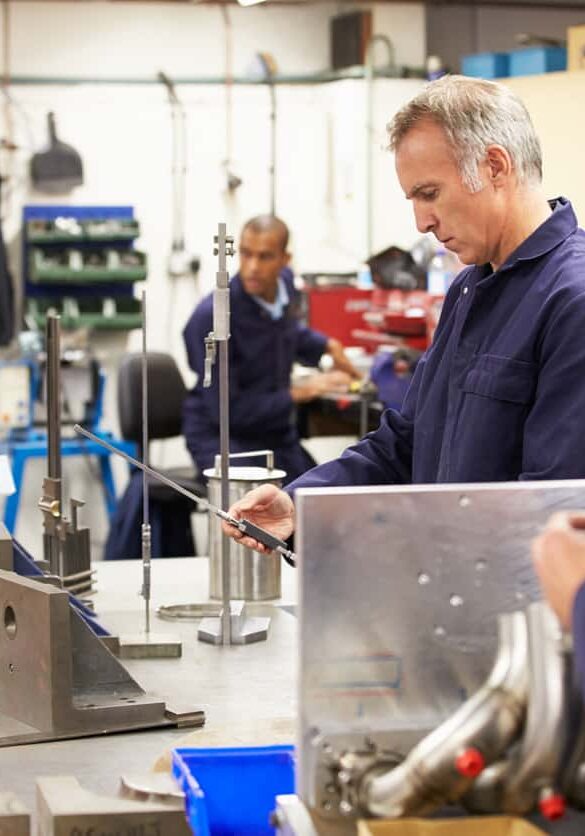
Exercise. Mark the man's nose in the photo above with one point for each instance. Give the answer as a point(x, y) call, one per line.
point(425, 219)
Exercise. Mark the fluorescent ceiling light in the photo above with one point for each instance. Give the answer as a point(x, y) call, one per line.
point(250, 2)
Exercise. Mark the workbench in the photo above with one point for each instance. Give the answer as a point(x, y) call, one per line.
point(248, 692)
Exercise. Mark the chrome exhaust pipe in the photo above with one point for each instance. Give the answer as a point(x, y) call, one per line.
point(442, 767)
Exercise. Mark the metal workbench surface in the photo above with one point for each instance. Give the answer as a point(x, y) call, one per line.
point(248, 692)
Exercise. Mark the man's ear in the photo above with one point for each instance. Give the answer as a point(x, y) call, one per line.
point(286, 259)
point(499, 165)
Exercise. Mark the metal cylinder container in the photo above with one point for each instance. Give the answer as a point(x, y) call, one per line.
point(253, 576)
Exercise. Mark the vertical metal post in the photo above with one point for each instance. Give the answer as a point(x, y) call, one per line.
point(53, 334)
point(272, 91)
point(221, 333)
point(364, 413)
point(53, 551)
point(224, 442)
point(146, 535)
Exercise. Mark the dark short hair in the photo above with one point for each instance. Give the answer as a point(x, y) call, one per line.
point(268, 223)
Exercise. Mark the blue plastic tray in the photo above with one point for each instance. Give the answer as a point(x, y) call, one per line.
point(232, 791)
point(538, 59)
point(486, 65)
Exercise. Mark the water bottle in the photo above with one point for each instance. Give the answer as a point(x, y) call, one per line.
point(364, 277)
point(435, 67)
point(441, 272)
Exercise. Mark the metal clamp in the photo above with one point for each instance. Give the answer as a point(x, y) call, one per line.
point(210, 352)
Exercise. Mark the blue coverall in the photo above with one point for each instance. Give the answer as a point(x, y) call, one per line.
point(261, 354)
point(500, 394)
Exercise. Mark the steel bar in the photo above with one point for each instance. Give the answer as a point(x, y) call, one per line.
point(146, 534)
point(53, 549)
point(224, 422)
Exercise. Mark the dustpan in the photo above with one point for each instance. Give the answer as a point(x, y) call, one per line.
point(58, 169)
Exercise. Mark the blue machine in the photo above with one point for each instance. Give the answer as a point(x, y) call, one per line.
point(392, 373)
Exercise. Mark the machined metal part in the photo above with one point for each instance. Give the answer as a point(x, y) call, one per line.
point(6, 549)
point(253, 454)
point(572, 777)
point(291, 817)
point(152, 786)
point(14, 817)
point(210, 355)
point(223, 248)
point(51, 501)
point(65, 807)
point(244, 629)
point(367, 392)
point(145, 531)
point(438, 565)
point(436, 771)
point(341, 760)
point(253, 576)
point(532, 767)
point(536, 763)
point(221, 332)
point(80, 688)
point(188, 612)
point(66, 546)
point(149, 646)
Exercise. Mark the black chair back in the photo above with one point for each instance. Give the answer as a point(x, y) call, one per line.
point(166, 393)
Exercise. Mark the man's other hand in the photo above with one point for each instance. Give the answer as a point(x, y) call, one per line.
point(340, 359)
point(559, 560)
point(267, 507)
point(319, 384)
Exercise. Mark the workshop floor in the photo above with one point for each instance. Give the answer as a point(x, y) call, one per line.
point(81, 481)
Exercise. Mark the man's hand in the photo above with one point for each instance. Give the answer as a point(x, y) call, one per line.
point(267, 507)
point(559, 560)
point(340, 359)
point(318, 384)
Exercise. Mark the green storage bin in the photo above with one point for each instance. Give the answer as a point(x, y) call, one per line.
point(86, 266)
point(71, 230)
point(104, 314)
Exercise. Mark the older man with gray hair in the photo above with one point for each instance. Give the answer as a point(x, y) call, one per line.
point(500, 394)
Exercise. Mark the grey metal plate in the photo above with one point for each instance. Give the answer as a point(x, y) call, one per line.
point(400, 592)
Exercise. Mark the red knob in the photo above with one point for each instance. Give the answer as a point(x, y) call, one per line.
point(552, 806)
point(470, 763)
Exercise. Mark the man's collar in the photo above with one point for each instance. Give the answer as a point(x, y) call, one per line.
point(561, 223)
point(276, 308)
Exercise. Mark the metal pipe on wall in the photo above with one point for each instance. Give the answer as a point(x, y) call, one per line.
point(369, 76)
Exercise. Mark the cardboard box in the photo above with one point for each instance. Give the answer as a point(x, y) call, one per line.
point(576, 47)
point(478, 826)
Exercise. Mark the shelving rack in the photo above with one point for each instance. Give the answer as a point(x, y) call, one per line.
point(85, 269)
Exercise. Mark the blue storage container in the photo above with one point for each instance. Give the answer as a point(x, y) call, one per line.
point(233, 791)
point(485, 65)
point(538, 59)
